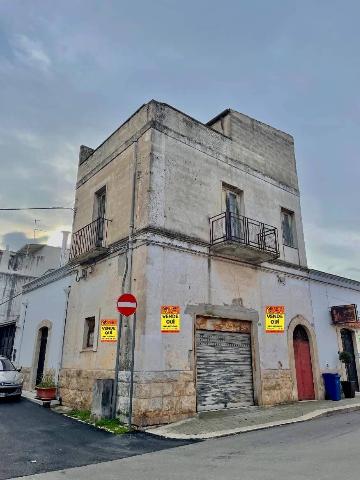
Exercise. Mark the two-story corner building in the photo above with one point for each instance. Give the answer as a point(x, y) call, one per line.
point(17, 269)
point(206, 218)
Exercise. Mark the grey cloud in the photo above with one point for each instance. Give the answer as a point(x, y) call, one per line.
point(16, 240)
point(72, 71)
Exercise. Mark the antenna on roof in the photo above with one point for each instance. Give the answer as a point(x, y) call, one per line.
point(36, 223)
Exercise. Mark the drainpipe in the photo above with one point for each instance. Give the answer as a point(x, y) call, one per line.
point(67, 292)
point(18, 353)
point(127, 277)
point(64, 255)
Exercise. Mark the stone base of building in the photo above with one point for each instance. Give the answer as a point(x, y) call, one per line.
point(159, 397)
point(76, 386)
point(277, 387)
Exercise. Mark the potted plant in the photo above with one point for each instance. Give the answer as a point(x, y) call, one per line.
point(46, 389)
point(348, 387)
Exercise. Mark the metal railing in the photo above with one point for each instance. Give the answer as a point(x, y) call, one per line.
point(243, 230)
point(89, 238)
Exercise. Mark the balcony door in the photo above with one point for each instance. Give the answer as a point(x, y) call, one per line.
point(233, 204)
point(99, 214)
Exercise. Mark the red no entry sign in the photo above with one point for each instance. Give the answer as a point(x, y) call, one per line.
point(126, 304)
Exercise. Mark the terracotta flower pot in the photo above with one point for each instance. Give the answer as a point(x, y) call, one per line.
point(46, 393)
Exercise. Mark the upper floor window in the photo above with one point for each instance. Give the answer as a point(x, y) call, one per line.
point(100, 203)
point(99, 214)
point(288, 228)
point(89, 332)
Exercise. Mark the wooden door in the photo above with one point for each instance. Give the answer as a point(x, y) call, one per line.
point(42, 354)
point(303, 365)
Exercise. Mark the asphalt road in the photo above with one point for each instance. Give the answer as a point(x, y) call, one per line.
point(34, 439)
point(326, 448)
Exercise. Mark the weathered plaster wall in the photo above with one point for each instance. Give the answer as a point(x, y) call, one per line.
point(94, 296)
point(117, 176)
point(184, 279)
point(116, 142)
point(272, 150)
point(187, 178)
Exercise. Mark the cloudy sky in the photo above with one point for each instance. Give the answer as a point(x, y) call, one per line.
point(72, 71)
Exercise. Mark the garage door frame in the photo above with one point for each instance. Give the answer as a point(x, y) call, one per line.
point(237, 313)
point(227, 332)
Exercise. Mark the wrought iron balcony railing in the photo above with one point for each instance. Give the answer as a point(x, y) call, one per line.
point(230, 228)
point(90, 241)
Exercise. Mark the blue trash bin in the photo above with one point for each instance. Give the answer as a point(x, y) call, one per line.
point(332, 386)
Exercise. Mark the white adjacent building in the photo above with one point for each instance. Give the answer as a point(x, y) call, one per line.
point(17, 269)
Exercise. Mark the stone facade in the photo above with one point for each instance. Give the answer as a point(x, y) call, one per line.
point(164, 397)
point(76, 386)
point(277, 387)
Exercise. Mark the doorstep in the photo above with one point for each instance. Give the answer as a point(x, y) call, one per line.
point(220, 423)
point(31, 395)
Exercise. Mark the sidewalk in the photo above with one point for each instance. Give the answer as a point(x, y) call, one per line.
point(220, 423)
point(31, 395)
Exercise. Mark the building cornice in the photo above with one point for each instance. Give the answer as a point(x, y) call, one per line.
point(49, 277)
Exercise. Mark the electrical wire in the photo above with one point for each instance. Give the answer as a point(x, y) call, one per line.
point(35, 208)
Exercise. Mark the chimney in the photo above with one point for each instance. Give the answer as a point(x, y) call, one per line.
point(4, 259)
point(84, 153)
point(64, 250)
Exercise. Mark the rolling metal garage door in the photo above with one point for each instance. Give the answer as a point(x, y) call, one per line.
point(224, 370)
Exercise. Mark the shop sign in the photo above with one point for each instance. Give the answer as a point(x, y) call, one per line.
point(108, 330)
point(170, 319)
point(275, 319)
point(344, 314)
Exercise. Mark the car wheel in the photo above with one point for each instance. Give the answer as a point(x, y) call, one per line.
point(17, 398)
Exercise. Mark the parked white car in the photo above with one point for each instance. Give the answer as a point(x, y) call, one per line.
point(11, 380)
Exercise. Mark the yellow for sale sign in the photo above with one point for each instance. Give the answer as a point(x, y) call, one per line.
point(108, 330)
point(170, 319)
point(275, 319)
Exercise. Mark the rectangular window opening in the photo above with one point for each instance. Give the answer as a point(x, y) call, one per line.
point(89, 332)
point(99, 215)
point(288, 228)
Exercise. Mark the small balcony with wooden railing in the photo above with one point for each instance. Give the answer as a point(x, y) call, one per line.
point(90, 241)
point(244, 238)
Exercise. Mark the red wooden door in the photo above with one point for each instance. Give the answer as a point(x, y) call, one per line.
point(304, 376)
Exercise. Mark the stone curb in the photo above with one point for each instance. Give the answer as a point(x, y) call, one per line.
point(324, 412)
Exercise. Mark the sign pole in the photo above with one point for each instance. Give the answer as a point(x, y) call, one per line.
point(117, 361)
point(126, 305)
point(132, 370)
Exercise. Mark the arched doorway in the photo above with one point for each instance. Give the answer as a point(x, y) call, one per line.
point(348, 346)
point(43, 337)
point(303, 364)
